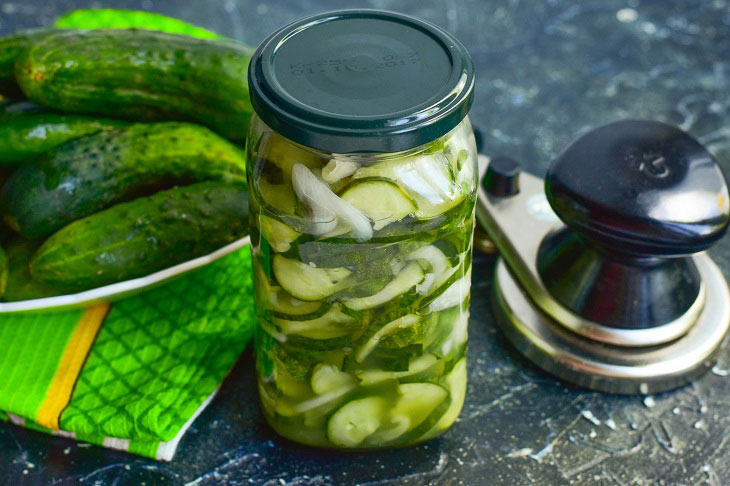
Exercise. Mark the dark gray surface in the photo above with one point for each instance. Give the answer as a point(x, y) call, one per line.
point(546, 72)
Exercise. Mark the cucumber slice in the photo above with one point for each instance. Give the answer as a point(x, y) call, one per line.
point(416, 403)
point(418, 366)
point(279, 196)
point(287, 307)
point(326, 254)
point(435, 263)
point(428, 178)
point(286, 154)
point(327, 378)
point(453, 295)
point(407, 279)
point(458, 335)
point(380, 199)
point(309, 283)
point(284, 305)
point(334, 323)
point(390, 328)
point(456, 382)
point(364, 289)
point(279, 235)
point(352, 423)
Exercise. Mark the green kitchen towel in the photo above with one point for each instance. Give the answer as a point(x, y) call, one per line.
point(132, 375)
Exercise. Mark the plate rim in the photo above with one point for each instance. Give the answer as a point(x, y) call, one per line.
point(118, 290)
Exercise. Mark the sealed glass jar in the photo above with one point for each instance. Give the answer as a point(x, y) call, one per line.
point(362, 181)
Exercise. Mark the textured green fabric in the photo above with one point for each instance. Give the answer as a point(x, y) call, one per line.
point(128, 19)
point(160, 354)
point(32, 346)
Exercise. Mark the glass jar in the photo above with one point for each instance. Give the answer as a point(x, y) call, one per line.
point(362, 257)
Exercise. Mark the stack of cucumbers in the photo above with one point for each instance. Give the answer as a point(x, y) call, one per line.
point(119, 155)
point(362, 268)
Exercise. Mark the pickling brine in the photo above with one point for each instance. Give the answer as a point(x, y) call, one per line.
point(362, 267)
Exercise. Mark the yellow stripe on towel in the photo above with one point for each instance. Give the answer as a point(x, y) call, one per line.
point(62, 385)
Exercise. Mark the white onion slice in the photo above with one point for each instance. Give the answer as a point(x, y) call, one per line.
point(338, 168)
point(325, 204)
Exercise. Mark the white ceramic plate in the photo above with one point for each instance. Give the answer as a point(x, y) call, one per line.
point(119, 290)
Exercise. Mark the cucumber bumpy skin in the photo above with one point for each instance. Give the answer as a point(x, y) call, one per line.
point(11, 46)
point(91, 173)
point(137, 238)
point(141, 75)
point(24, 136)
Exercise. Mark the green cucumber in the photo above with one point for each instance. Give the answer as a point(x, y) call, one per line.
point(309, 283)
point(27, 135)
point(406, 279)
point(11, 46)
point(456, 382)
point(142, 236)
point(392, 327)
point(327, 378)
point(142, 75)
point(352, 423)
point(428, 178)
point(380, 199)
point(128, 19)
point(334, 323)
point(279, 196)
point(3, 271)
point(326, 254)
point(20, 285)
point(416, 403)
point(420, 368)
point(284, 305)
point(279, 235)
point(91, 173)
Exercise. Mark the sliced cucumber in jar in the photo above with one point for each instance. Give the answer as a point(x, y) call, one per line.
point(456, 382)
point(334, 323)
point(428, 178)
point(278, 196)
point(380, 199)
point(420, 368)
point(413, 407)
point(390, 328)
point(435, 263)
point(309, 283)
point(327, 378)
point(285, 154)
point(453, 295)
point(352, 423)
point(407, 279)
point(326, 254)
point(279, 235)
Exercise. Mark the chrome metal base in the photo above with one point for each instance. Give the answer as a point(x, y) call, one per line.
point(615, 368)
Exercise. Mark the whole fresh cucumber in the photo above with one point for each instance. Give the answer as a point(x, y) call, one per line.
point(24, 136)
point(3, 270)
point(130, 19)
point(142, 75)
point(91, 173)
point(142, 236)
point(20, 285)
point(10, 48)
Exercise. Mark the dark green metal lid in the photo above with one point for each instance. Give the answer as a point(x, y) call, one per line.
point(361, 81)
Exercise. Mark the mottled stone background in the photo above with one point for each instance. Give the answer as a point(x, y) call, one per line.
point(547, 71)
